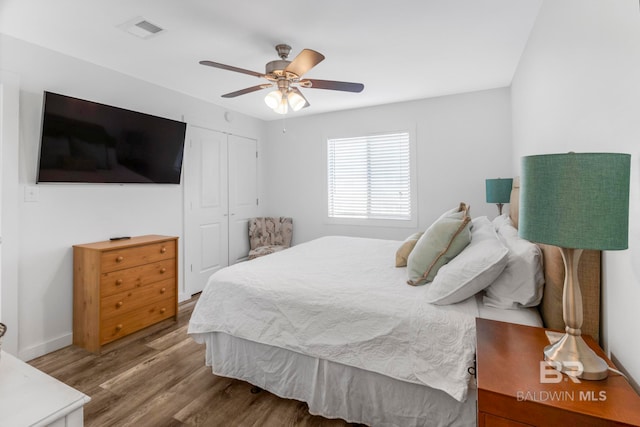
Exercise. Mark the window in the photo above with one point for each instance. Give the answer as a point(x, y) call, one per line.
point(369, 177)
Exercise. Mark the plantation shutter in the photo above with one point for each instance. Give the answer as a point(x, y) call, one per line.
point(369, 177)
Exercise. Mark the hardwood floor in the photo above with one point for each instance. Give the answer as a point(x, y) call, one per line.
point(158, 378)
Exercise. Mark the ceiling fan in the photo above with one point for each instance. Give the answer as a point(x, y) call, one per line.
point(286, 76)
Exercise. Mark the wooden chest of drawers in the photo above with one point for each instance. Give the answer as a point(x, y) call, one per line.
point(122, 286)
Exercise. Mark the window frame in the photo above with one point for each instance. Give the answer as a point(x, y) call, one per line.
point(392, 223)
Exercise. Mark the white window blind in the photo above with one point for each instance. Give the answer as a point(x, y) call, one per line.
point(369, 177)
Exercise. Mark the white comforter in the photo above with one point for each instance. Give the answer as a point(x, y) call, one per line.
point(342, 299)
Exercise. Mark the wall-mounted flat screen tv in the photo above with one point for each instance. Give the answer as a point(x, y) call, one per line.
point(84, 141)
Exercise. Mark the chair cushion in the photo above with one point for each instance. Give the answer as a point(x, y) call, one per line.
point(265, 250)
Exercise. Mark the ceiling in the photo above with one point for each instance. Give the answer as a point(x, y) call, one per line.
point(400, 51)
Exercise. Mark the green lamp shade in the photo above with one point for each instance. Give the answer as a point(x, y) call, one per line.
point(576, 200)
point(499, 190)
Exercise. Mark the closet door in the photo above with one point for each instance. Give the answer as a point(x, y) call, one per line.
point(206, 231)
point(243, 194)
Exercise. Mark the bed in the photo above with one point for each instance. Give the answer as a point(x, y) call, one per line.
point(332, 322)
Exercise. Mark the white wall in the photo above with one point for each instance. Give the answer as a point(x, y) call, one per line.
point(68, 214)
point(9, 131)
point(461, 141)
point(577, 88)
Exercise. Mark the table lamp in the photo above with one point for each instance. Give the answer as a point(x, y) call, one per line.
point(575, 201)
point(499, 191)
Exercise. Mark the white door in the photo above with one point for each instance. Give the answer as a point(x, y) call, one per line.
point(243, 194)
point(206, 206)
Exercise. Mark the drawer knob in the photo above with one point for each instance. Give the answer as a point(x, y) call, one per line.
point(163, 290)
point(119, 259)
point(162, 310)
point(119, 304)
point(118, 282)
point(163, 270)
point(163, 250)
point(118, 327)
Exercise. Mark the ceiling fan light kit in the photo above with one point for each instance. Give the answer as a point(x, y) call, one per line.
point(296, 101)
point(273, 99)
point(286, 77)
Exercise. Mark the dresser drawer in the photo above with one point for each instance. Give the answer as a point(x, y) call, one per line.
point(127, 323)
point(119, 259)
point(126, 301)
point(131, 278)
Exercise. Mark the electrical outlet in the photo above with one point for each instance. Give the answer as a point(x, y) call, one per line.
point(31, 193)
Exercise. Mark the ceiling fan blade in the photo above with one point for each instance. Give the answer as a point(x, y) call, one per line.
point(231, 68)
point(306, 103)
point(332, 85)
point(245, 91)
point(306, 60)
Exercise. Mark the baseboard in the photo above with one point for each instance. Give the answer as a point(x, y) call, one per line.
point(30, 353)
point(183, 296)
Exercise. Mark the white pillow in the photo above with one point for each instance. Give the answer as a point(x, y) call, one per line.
point(501, 220)
point(473, 269)
point(521, 282)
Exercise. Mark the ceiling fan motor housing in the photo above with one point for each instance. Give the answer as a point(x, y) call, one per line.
point(276, 68)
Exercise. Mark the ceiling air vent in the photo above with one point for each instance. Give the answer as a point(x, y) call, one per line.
point(140, 27)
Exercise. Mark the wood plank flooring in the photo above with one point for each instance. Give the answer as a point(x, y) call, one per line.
point(157, 377)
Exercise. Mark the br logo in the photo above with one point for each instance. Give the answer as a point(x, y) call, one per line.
point(551, 371)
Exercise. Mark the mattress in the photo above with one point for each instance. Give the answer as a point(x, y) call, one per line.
point(334, 390)
point(340, 299)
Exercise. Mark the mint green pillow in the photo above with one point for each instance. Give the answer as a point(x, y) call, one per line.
point(442, 241)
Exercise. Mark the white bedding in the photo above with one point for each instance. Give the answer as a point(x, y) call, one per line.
point(333, 390)
point(341, 299)
point(355, 395)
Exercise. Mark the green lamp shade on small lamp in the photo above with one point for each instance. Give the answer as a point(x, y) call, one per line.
point(498, 191)
point(576, 200)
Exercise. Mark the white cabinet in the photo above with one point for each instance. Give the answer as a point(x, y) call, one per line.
point(29, 397)
point(221, 194)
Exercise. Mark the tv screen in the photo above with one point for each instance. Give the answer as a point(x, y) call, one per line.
point(83, 141)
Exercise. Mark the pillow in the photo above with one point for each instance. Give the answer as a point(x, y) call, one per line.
point(442, 241)
point(521, 282)
point(501, 220)
point(479, 264)
point(402, 254)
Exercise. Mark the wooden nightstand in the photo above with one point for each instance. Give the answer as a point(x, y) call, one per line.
point(511, 392)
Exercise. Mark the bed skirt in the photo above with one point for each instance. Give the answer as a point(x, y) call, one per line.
point(334, 390)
